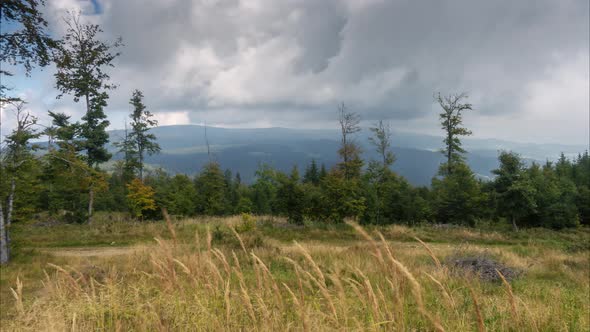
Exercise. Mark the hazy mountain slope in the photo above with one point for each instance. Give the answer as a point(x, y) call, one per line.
point(243, 150)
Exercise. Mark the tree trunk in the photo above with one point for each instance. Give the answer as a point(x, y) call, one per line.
point(91, 190)
point(514, 224)
point(449, 152)
point(4, 249)
point(140, 152)
point(10, 202)
point(90, 204)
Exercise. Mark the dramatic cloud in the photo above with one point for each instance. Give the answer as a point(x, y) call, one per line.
point(289, 63)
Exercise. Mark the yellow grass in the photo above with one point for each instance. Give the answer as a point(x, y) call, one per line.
point(367, 285)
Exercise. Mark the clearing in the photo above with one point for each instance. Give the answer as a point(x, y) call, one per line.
point(113, 275)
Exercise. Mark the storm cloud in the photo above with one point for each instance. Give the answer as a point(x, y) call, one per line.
point(289, 63)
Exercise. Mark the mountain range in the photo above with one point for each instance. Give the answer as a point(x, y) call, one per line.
point(184, 150)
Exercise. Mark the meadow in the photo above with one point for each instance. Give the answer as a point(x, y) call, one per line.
point(262, 274)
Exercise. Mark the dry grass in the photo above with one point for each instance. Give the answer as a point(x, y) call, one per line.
point(372, 284)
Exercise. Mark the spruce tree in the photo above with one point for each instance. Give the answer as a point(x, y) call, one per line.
point(312, 174)
point(290, 197)
point(457, 196)
point(143, 141)
point(516, 194)
point(81, 59)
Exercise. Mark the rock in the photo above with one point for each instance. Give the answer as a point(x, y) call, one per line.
point(484, 267)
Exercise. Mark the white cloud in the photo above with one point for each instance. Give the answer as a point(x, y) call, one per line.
point(289, 63)
point(172, 118)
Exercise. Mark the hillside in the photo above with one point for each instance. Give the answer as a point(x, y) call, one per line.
point(243, 150)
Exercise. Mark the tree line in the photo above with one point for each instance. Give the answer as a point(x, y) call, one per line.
point(68, 179)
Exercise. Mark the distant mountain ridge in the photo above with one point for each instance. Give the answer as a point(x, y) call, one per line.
point(243, 150)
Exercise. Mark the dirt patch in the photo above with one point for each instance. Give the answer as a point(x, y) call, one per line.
point(92, 251)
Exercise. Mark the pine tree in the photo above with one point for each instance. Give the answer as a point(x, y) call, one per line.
point(563, 167)
point(290, 197)
point(312, 174)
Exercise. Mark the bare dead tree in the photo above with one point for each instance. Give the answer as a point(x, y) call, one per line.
point(17, 146)
point(381, 139)
point(349, 151)
point(17, 153)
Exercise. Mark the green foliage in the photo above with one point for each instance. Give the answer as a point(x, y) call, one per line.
point(536, 196)
point(580, 175)
point(28, 188)
point(312, 174)
point(81, 59)
point(515, 191)
point(264, 190)
point(211, 191)
point(451, 120)
point(290, 198)
point(583, 204)
point(555, 198)
point(130, 163)
point(392, 200)
point(19, 169)
point(341, 198)
point(381, 139)
point(248, 223)
point(313, 205)
point(142, 142)
point(62, 167)
point(457, 196)
point(178, 195)
point(111, 200)
point(351, 162)
point(67, 179)
point(23, 41)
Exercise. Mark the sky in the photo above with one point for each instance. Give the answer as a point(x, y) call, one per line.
point(289, 63)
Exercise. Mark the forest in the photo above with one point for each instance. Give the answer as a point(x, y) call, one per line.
point(96, 237)
point(64, 176)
